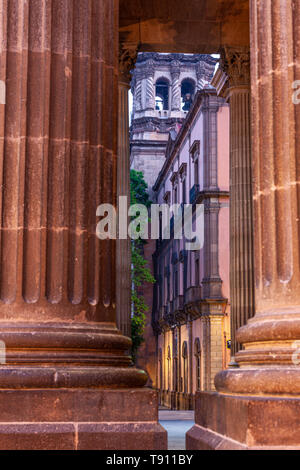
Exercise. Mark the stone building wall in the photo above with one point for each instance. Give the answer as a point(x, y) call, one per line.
point(192, 320)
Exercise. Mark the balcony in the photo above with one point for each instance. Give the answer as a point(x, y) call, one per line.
point(193, 294)
point(162, 114)
point(178, 303)
point(194, 193)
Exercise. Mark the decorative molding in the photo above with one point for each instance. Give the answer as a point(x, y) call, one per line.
point(204, 73)
point(174, 179)
point(181, 59)
point(220, 82)
point(235, 63)
point(182, 171)
point(167, 197)
point(195, 150)
point(127, 59)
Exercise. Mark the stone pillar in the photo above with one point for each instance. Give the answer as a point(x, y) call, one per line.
point(191, 354)
point(201, 79)
point(150, 89)
point(137, 91)
point(127, 59)
point(212, 283)
point(262, 397)
point(176, 92)
point(58, 148)
point(210, 127)
point(233, 82)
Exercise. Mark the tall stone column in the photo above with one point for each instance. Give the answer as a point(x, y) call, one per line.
point(176, 92)
point(190, 349)
point(262, 397)
point(233, 82)
point(210, 110)
point(58, 141)
point(127, 59)
point(137, 90)
point(269, 337)
point(212, 283)
point(150, 89)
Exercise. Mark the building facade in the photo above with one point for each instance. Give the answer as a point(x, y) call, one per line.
point(191, 310)
point(163, 87)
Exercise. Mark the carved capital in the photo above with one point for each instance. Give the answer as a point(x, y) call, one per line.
point(127, 59)
point(175, 69)
point(235, 63)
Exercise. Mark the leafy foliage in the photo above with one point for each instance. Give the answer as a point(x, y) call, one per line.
point(140, 272)
point(138, 189)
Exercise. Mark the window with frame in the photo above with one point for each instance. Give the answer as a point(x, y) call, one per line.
point(187, 93)
point(195, 155)
point(182, 173)
point(162, 95)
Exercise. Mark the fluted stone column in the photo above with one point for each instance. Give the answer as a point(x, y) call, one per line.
point(211, 282)
point(127, 59)
point(66, 362)
point(262, 396)
point(234, 83)
point(269, 337)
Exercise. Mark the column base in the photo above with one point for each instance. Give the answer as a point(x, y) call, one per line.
point(227, 422)
point(80, 419)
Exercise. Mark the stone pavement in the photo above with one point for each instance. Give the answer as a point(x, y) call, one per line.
point(177, 423)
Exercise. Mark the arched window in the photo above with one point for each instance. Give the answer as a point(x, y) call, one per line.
point(187, 93)
point(185, 366)
point(162, 95)
point(197, 349)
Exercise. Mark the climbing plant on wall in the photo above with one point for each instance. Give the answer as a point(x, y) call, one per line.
point(140, 271)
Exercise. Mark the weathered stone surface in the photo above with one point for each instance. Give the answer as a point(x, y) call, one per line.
point(258, 403)
point(269, 338)
point(127, 58)
point(224, 421)
point(128, 436)
point(189, 26)
point(80, 419)
point(232, 81)
point(65, 358)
